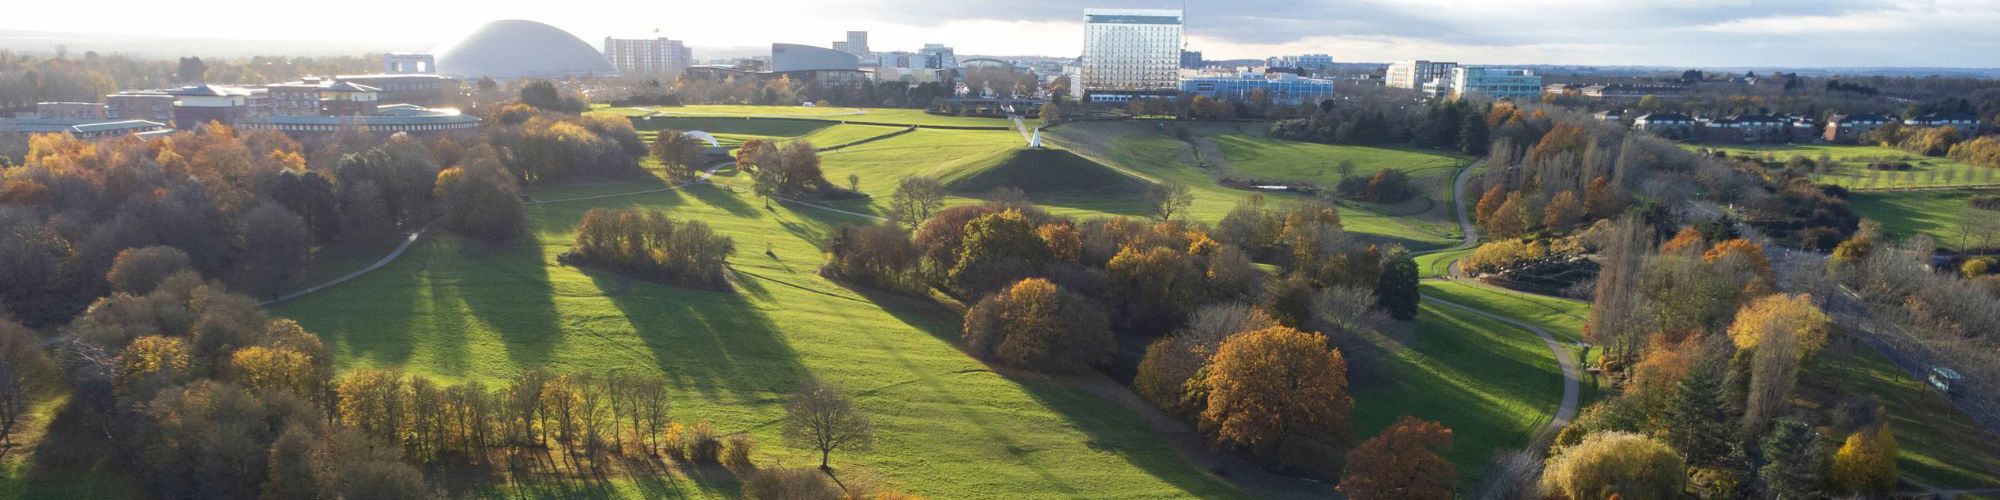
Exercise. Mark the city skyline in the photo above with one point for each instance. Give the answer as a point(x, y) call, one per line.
point(1698, 33)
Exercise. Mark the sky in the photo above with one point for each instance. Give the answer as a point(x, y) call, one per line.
point(1695, 33)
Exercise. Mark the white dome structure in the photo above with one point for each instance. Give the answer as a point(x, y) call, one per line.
point(514, 49)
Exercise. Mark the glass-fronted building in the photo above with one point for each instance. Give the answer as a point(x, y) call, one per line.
point(1130, 52)
point(1283, 88)
point(1495, 83)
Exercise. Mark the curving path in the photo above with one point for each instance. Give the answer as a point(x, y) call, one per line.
point(1572, 387)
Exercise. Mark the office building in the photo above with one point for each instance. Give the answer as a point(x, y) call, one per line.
point(70, 110)
point(409, 64)
point(1495, 83)
point(1309, 63)
point(857, 44)
point(81, 128)
point(1281, 88)
point(1130, 52)
point(938, 56)
point(656, 56)
point(1190, 59)
point(140, 105)
point(1413, 74)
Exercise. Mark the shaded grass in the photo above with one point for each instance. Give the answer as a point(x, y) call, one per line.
point(1563, 318)
point(948, 428)
point(1936, 443)
point(1494, 385)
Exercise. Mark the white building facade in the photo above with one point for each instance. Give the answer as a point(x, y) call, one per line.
point(648, 56)
point(1413, 74)
point(1129, 52)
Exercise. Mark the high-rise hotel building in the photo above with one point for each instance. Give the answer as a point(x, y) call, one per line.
point(647, 56)
point(1130, 52)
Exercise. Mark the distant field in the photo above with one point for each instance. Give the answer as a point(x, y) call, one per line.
point(1947, 216)
point(876, 115)
point(1146, 149)
point(1851, 165)
point(460, 310)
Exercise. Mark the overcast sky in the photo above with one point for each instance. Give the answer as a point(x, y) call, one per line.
point(1953, 33)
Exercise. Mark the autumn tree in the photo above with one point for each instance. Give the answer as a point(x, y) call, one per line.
point(1283, 394)
point(1151, 289)
point(1397, 291)
point(24, 370)
point(681, 153)
point(819, 417)
point(1171, 363)
point(1866, 462)
point(997, 249)
point(480, 199)
point(915, 199)
point(148, 364)
point(1616, 464)
point(276, 244)
point(1038, 325)
point(1488, 205)
point(138, 270)
point(1562, 211)
point(1406, 461)
point(1780, 331)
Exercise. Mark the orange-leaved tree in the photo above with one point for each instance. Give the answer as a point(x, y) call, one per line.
point(1405, 461)
point(1281, 393)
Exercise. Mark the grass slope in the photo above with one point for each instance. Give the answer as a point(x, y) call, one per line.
point(1947, 216)
point(948, 427)
point(871, 115)
point(1147, 150)
point(1494, 385)
point(1936, 443)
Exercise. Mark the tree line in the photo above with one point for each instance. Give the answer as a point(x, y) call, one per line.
point(651, 245)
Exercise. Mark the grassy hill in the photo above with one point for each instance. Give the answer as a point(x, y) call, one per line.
point(949, 427)
point(1850, 165)
point(1044, 171)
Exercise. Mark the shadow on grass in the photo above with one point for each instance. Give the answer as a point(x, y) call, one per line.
point(70, 461)
point(705, 340)
point(1116, 430)
point(507, 287)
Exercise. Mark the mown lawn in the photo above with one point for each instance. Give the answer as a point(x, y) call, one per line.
point(948, 427)
point(1563, 318)
point(1850, 168)
point(1947, 216)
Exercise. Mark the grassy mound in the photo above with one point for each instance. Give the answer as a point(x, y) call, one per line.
point(1043, 171)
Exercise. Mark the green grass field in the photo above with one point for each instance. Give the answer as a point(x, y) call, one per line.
point(1148, 151)
point(949, 428)
point(1851, 165)
point(1494, 385)
point(1947, 216)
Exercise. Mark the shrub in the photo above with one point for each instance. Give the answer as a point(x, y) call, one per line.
point(1616, 465)
point(703, 447)
point(789, 484)
point(1503, 254)
point(736, 452)
point(1986, 202)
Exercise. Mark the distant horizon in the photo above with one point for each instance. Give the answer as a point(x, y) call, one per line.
point(1952, 34)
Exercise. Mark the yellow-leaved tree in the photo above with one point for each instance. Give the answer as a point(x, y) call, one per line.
point(1866, 463)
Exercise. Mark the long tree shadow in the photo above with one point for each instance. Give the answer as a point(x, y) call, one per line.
point(723, 198)
point(706, 341)
point(506, 287)
point(1116, 430)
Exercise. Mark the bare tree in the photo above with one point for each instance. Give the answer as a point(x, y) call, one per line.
point(1168, 198)
point(915, 199)
point(820, 417)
